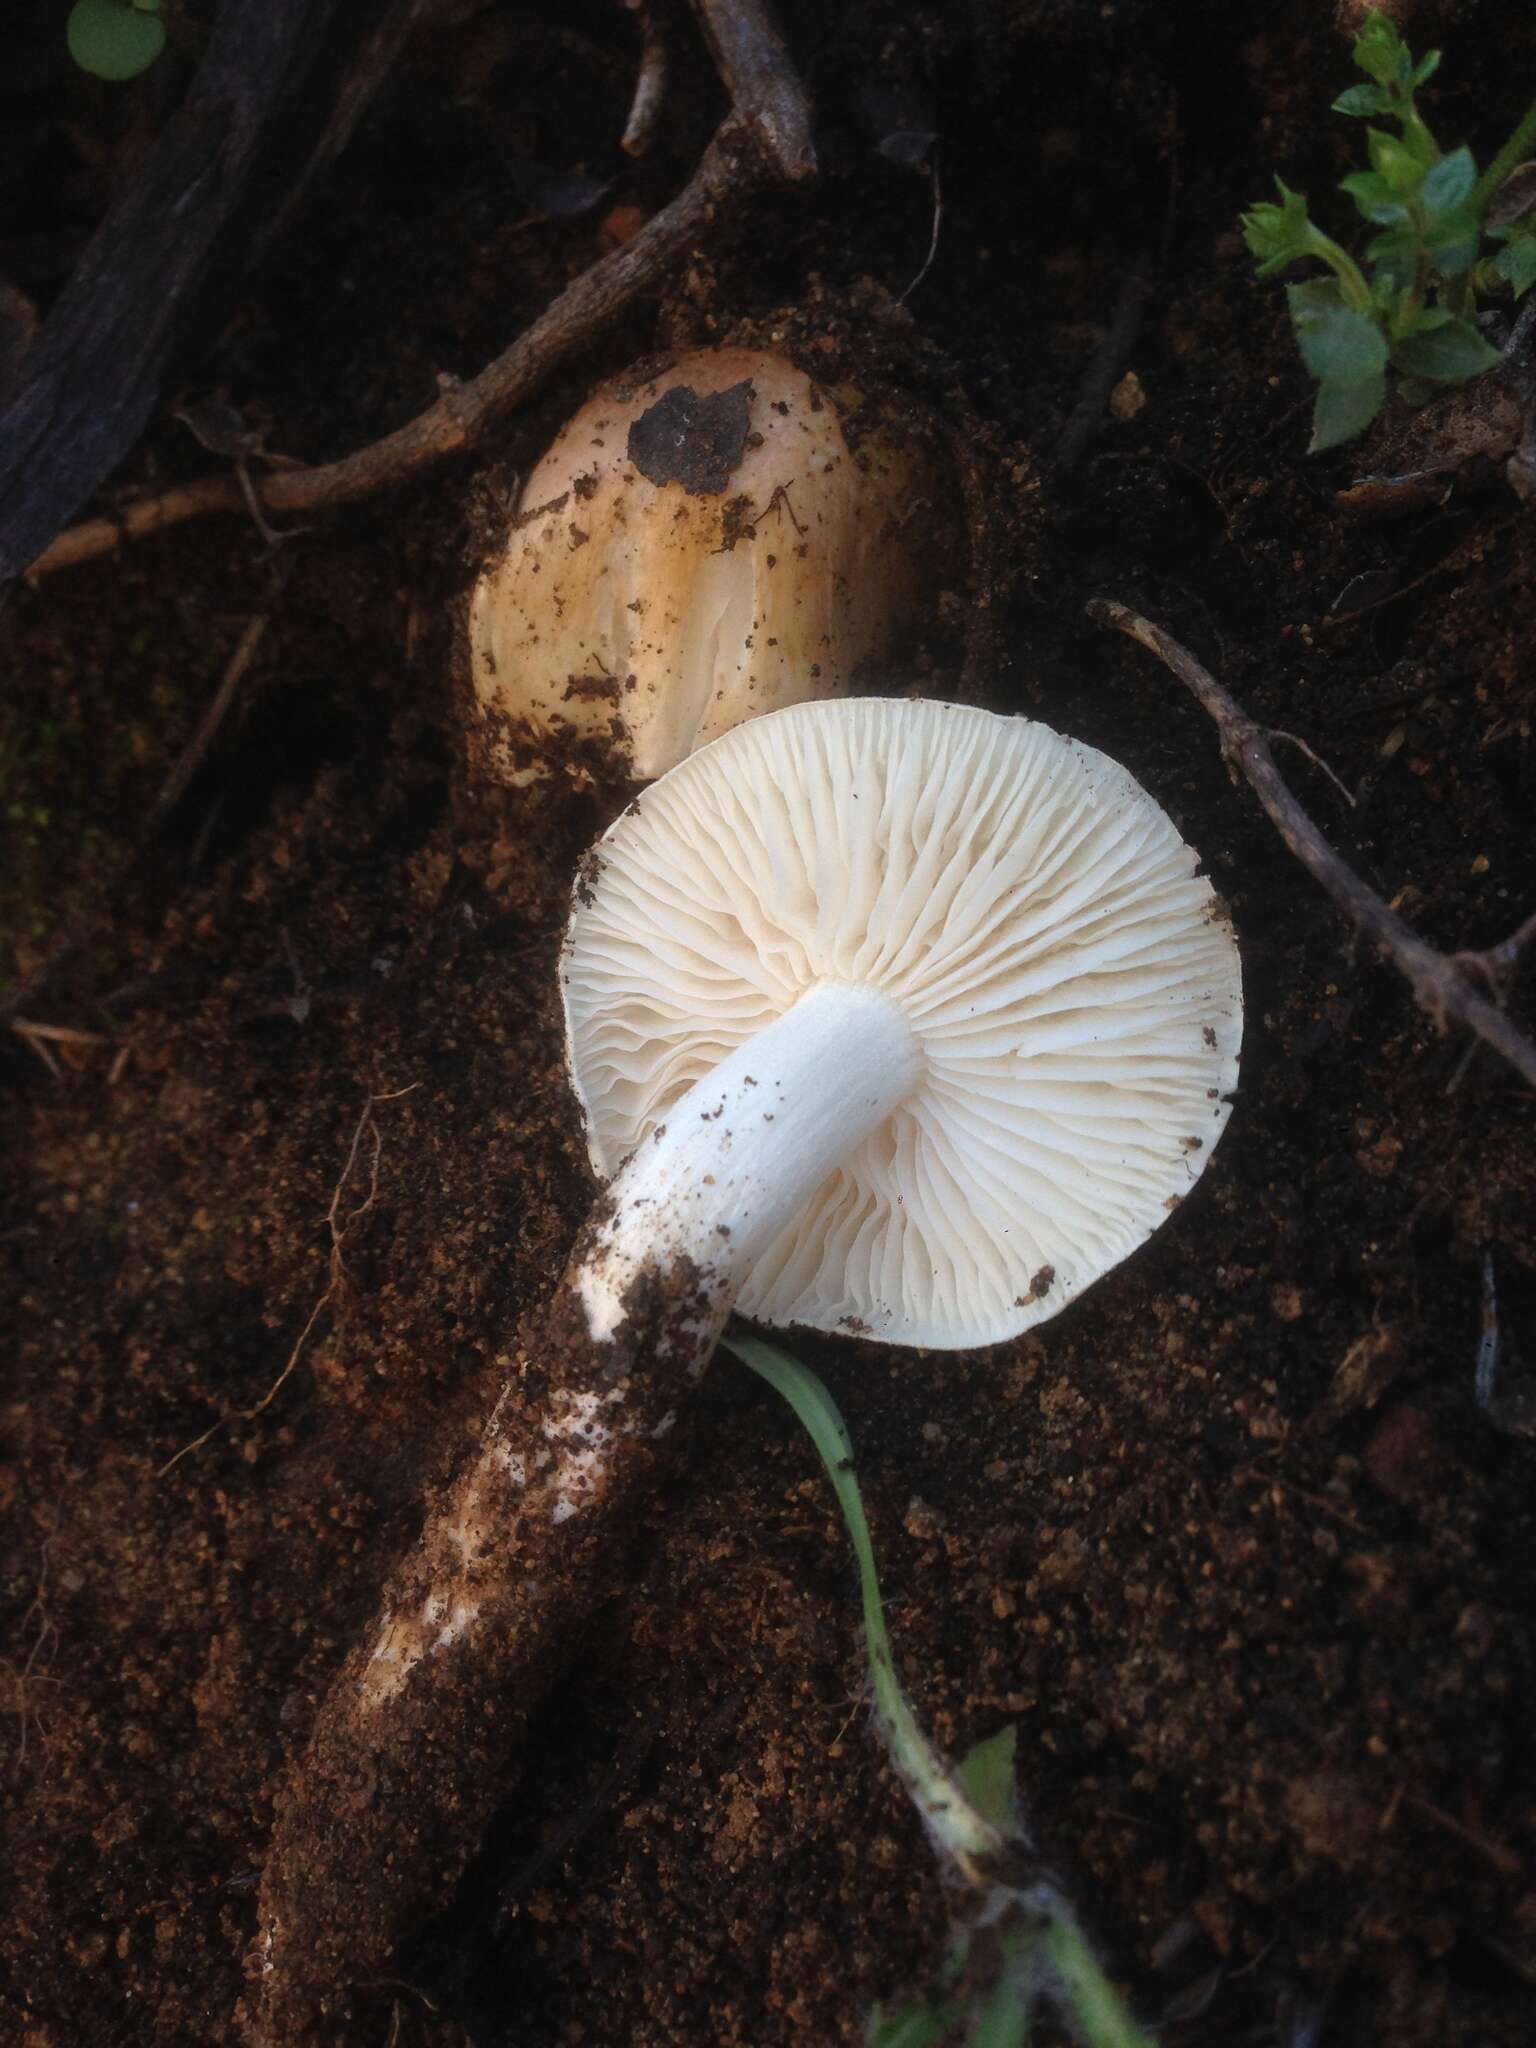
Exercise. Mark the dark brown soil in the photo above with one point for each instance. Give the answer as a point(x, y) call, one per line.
point(1231, 1540)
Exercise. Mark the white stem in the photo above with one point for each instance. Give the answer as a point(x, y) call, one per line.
point(748, 1145)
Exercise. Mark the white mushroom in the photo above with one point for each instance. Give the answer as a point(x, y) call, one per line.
point(697, 546)
point(911, 1020)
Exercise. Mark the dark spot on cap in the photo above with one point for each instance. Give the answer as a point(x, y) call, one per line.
point(693, 441)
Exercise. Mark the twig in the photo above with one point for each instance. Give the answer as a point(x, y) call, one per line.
point(338, 1226)
point(79, 929)
point(650, 84)
point(938, 222)
point(765, 138)
point(1493, 963)
point(1103, 372)
point(61, 1034)
point(40, 1038)
point(750, 56)
point(1295, 740)
point(1503, 1859)
point(1486, 1367)
point(1438, 984)
point(191, 756)
point(45, 1641)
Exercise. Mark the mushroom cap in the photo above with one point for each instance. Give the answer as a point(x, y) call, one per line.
point(696, 547)
point(1071, 979)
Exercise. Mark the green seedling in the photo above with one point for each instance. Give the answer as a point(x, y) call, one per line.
point(1017, 1944)
point(115, 39)
point(1402, 316)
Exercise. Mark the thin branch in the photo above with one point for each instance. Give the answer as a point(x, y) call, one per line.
point(190, 759)
point(1295, 740)
point(938, 223)
point(750, 56)
point(460, 418)
point(1438, 983)
point(764, 139)
point(650, 84)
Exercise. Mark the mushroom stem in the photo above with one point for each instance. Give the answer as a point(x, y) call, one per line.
point(746, 1147)
point(409, 1748)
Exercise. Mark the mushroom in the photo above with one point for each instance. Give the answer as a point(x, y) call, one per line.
point(911, 1020)
point(892, 1017)
point(722, 538)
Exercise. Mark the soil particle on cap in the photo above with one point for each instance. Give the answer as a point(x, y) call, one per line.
point(694, 441)
point(593, 689)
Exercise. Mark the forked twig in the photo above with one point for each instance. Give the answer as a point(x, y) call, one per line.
point(765, 139)
point(1439, 982)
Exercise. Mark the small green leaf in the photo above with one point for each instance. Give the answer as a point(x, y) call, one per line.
point(111, 40)
point(1278, 235)
point(1335, 341)
point(1448, 183)
point(1414, 391)
point(1380, 52)
point(1516, 264)
point(1396, 258)
point(1395, 161)
point(1345, 410)
point(1364, 100)
point(1449, 355)
point(1426, 68)
point(1374, 197)
point(987, 1773)
point(1453, 245)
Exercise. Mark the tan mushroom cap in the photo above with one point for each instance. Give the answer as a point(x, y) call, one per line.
point(678, 566)
point(1071, 980)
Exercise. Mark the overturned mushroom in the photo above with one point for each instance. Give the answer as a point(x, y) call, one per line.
point(913, 1021)
point(723, 538)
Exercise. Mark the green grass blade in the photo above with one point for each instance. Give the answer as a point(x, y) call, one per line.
point(957, 1828)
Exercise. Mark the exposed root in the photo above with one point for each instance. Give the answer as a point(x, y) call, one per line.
point(338, 1225)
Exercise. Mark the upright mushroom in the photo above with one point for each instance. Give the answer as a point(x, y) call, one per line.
point(718, 539)
point(911, 1020)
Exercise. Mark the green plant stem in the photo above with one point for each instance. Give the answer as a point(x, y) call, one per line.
point(1090, 1994)
point(949, 1816)
point(1514, 150)
point(1043, 1948)
point(1357, 292)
